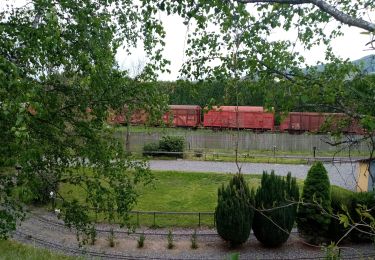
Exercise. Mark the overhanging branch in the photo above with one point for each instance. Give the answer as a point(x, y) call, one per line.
point(324, 7)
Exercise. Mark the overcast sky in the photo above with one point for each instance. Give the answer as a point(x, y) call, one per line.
point(351, 45)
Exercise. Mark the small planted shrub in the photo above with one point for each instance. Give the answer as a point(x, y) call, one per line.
point(172, 145)
point(234, 214)
point(111, 238)
point(314, 213)
point(234, 256)
point(276, 213)
point(194, 243)
point(151, 149)
point(141, 240)
point(332, 252)
point(92, 235)
point(170, 244)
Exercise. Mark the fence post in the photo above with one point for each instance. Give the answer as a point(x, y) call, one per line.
point(154, 219)
point(199, 219)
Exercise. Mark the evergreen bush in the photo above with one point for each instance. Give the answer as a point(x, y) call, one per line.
point(272, 226)
point(234, 213)
point(173, 145)
point(314, 213)
point(362, 211)
point(341, 201)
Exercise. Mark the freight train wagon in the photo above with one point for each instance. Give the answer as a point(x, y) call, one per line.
point(313, 122)
point(183, 116)
point(138, 117)
point(244, 117)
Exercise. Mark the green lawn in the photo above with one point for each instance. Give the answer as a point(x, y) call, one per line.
point(177, 192)
point(10, 250)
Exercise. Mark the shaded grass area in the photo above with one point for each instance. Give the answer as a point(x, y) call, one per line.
point(10, 250)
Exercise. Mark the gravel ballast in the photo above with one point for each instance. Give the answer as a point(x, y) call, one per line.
point(45, 230)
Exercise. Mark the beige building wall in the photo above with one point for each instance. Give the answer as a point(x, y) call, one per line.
point(363, 176)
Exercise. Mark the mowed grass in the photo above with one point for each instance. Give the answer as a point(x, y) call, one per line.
point(176, 192)
point(10, 250)
point(186, 191)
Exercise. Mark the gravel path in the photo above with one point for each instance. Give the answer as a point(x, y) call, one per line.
point(44, 230)
point(340, 174)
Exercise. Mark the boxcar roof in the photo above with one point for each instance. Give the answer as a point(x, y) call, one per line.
point(195, 107)
point(240, 108)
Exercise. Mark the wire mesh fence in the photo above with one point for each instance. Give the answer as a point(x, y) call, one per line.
point(167, 219)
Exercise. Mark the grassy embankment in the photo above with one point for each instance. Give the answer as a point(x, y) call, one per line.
point(10, 250)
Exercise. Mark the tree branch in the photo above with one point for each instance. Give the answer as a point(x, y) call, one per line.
point(324, 7)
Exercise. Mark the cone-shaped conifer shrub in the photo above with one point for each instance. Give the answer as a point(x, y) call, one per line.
point(313, 217)
point(276, 202)
point(234, 213)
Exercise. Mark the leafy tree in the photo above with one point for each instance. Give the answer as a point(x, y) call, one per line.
point(276, 202)
point(314, 213)
point(58, 79)
point(234, 213)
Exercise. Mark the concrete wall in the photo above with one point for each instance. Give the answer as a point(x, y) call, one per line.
point(247, 141)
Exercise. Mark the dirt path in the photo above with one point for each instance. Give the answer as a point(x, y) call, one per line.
point(45, 230)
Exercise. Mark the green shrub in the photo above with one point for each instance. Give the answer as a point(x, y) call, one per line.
point(92, 235)
point(170, 244)
point(172, 145)
point(341, 201)
point(151, 149)
point(194, 243)
point(111, 238)
point(363, 202)
point(141, 240)
point(234, 214)
point(314, 213)
point(272, 226)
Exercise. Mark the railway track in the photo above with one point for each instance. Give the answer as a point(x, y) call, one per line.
point(25, 237)
point(153, 232)
point(29, 234)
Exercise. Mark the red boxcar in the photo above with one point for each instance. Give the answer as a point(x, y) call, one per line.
point(138, 117)
point(313, 122)
point(183, 115)
point(245, 117)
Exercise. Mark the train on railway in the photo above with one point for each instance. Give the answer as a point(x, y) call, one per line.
point(255, 118)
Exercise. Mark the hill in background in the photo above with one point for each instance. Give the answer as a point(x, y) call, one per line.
point(367, 63)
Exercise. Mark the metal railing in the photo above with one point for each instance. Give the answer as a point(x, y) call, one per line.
point(154, 214)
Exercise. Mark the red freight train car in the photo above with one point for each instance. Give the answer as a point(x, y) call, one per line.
point(313, 122)
point(183, 116)
point(138, 117)
point(245, 117)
